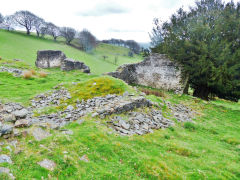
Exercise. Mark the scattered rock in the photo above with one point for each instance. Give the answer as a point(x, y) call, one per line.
point(9, 117)
point(84, 158)
point(15, 71)
point(39, 134)
point(47, 164)
point(67, 132)
point(22, 123)
point(20, 113)
point(6, 171)
point(4, 158)
point(140, 122)
point(6, 129)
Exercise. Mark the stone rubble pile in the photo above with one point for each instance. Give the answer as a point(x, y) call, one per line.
point(181, 112)
point(98, 106)
point(50, 98)
point(16, 72)
point(14, 116)
point(140, 123)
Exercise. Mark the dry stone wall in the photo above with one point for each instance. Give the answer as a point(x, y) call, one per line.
point(156, 71)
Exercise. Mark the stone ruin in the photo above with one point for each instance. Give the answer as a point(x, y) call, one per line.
point(53, 59)
point(156, 71)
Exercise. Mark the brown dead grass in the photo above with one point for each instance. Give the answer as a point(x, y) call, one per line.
point(27, 74)
point(42, 74)
point(153, 92)
point(33, 72)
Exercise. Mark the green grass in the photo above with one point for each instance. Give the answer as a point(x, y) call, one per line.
point(18, 89)
point(16, 45)
point(208, 148)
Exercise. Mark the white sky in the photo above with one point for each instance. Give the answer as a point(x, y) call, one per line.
point(125, 19)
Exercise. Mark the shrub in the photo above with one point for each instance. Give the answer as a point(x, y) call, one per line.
point(42, 74)
point(27, 74)
point(0, 58)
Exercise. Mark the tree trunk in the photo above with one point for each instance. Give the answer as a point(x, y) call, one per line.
point(185, 91)
point(202, 92)
point(28, 32)
point(55, 38)
point(37, 33)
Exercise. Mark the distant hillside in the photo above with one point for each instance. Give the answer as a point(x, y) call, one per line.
point(16, 45)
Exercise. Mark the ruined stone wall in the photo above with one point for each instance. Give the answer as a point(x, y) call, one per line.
point(52, 59)
point(49, 58)
point(156, 71)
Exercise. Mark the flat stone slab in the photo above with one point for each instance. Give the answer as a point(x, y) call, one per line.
point(47, 164)
point(39, 134)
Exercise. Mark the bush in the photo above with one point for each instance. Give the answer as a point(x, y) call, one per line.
point(42, 74)
point(27, 74)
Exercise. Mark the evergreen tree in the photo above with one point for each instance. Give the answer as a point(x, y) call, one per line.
point(206, 42)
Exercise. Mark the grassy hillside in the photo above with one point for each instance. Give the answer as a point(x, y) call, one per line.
point(16, 45)
point(209, 148)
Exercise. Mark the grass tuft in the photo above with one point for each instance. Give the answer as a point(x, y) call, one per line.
point(190, 126)
point(27, 74)
point(42, 74)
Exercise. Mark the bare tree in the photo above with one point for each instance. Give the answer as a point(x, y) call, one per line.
point(68, 33)
point(38, 24)
point(25, 19)
point(43, 31)
point(7, 23)
point(1, 18)
point(87, 40)
point(53, 30)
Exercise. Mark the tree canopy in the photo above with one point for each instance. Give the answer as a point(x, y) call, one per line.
point(206, 41)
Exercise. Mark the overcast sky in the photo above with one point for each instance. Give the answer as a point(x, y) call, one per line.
point(125, 19)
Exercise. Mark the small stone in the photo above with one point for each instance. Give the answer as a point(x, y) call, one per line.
point(47, 164)
point(95, 114)
point(6, 129)
point(21, 113)
point(9, 118)
point(16, 133)
point(124, 125)
point(70, 107)
point(4, 158)
point(68, 116)
point(67, 132)
point(84, 158)
point(22, 123)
